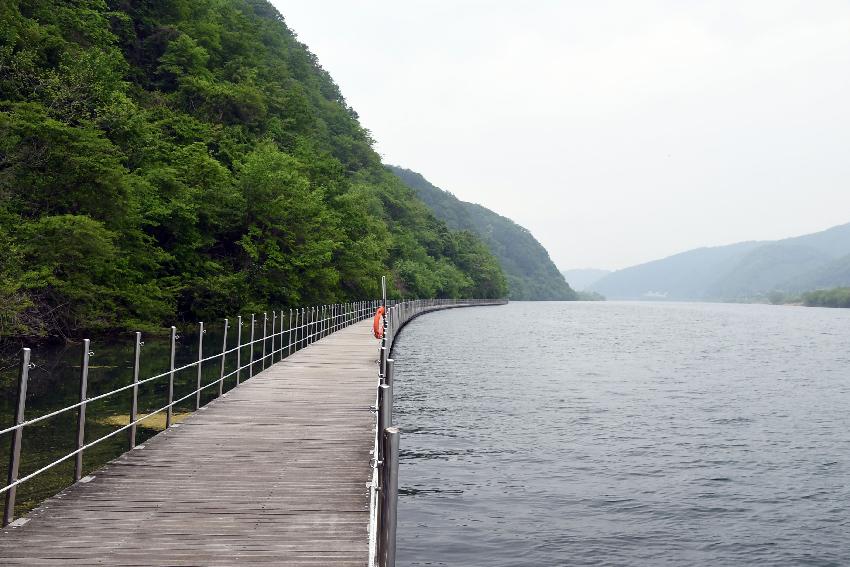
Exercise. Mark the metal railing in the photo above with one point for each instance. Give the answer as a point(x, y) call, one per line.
point(305, 326)
point(384, 483)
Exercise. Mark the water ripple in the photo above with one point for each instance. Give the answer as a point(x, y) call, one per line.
point(625, 434)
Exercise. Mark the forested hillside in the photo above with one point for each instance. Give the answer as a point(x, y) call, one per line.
point(191, 159)
point(740, 272)
point(530, 272)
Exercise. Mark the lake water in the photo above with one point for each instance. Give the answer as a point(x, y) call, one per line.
point(543, 434)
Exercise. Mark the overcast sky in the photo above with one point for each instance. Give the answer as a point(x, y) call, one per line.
point(616, 131)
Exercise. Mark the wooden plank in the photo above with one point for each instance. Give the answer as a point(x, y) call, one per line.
point(273, 473)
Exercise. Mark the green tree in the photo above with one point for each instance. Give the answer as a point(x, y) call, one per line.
point(191, 159)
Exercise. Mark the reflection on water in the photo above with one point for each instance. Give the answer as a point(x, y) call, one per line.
point(624, 434)
point(54, 383)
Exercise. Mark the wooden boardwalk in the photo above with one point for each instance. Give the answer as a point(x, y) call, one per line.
point(273, 473)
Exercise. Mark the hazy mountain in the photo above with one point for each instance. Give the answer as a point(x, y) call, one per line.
point(526, 263)
point(739, 271)
point(582, 278)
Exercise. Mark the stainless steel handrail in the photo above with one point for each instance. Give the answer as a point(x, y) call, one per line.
point(384, 484)
point(323, 322)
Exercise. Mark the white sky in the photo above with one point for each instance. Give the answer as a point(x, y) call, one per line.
point(616, 131)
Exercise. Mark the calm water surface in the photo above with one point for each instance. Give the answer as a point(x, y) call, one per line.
point(625, 434)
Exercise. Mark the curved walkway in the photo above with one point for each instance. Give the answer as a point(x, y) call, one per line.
point(274, 472)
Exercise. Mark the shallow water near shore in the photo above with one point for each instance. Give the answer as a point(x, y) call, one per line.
point(624, 434)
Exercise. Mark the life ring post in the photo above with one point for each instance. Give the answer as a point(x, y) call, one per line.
point(378, 323)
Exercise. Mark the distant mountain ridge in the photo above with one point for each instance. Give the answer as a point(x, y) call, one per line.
point(530, 272)
point(742, 271)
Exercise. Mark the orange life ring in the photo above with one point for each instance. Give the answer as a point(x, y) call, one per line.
point(378, 324)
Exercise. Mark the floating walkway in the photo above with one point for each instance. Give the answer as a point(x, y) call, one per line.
point(274, 472)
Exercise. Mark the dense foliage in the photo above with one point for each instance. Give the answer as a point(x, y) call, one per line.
point(836, 297)
point(529, 270)
point(190, 158)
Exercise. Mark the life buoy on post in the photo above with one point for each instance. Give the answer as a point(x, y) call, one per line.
point(378, 323)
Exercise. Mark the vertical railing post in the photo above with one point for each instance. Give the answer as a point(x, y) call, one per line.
point(223, 359)
point(299, 320)
point(389, 511)
point(15, 447)
point(271, 352)
point(290, 331)
point(302, 328)
point(389, 382)
point(382, 363)
point(134, 404)
point(201, 332)
point(238, 349)
point(263, 359)
point(384, 407)
point(251, 364)
point(383, 353)
point(169, 413)
point(280, 340)
point(81, 414)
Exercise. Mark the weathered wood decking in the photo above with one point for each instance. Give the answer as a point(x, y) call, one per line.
point(275, 472)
